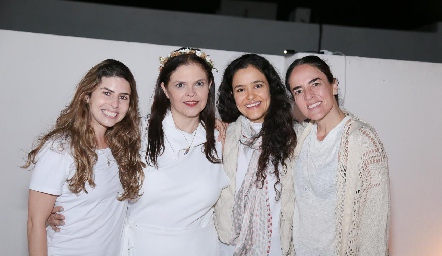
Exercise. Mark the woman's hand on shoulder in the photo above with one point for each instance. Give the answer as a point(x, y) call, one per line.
point(221, 127)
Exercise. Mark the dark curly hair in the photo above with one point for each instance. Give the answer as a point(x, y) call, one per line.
point(278, 135)
point(160, 105)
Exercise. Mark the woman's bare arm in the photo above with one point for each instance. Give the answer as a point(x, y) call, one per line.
point(39, 208)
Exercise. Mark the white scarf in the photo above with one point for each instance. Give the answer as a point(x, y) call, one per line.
point(252, 218)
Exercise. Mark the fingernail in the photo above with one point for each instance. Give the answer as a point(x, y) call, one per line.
point(61, 209)
point(62, 223)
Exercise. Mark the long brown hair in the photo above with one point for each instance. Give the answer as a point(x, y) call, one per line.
point(74, 125)
point(161, 104)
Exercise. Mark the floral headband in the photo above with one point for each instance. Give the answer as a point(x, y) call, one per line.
point(187, 50)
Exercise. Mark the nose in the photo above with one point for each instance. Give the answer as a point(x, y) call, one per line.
point(308, 94)
point(250, 95)
point(190, 91)
point(115, 102)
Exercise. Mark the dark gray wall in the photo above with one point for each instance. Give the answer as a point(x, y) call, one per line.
point(214, 31)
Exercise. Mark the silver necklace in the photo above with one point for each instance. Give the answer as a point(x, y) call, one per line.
point(170, 145)
point(108, 158)
point(186, 150)
point(104, 153)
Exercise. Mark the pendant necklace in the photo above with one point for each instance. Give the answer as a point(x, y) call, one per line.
point(174, 155)
point(105, 154)
point(108, 157)
point(186, 150)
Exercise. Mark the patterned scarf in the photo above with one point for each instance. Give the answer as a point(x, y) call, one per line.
point(252, 219)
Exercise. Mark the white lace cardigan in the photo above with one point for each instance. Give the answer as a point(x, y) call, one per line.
point(363, 194)
point(224, 206)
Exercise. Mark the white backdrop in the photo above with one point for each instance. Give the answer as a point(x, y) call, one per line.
point(38, 74)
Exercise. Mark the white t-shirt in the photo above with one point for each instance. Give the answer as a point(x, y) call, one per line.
point(244, 156)
point(93, 220)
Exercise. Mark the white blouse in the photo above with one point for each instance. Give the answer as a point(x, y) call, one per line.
point(314, 221)
point(174, 216)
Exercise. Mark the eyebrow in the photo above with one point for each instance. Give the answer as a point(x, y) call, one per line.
point(314, 80)
point(105, 88)
point(184, 82)
point(258, 81)
point(254, 82)
point(296, 88)
point(310, 82)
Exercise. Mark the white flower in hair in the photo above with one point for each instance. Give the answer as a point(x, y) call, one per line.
point(187, 50)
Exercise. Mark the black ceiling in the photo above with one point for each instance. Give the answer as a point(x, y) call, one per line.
point(383, 14)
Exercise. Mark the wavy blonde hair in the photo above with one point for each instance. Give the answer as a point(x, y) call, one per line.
point(74, 125)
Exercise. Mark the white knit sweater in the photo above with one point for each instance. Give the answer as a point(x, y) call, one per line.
point(224, 206)
point(363, 195)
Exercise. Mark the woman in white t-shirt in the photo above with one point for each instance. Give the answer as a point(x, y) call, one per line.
point(88, 164)
point(184, 175)
point(342, 197)
point(252, 217)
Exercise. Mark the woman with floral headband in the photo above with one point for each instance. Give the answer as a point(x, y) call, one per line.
point(184, 175)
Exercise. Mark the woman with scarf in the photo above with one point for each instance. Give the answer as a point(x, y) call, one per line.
point(253, 216)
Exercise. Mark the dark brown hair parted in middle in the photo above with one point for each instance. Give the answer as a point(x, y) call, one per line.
point(161, 104)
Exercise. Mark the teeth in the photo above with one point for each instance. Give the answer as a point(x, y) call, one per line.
point(314, 105)
point(253, 104)
point(109, 113)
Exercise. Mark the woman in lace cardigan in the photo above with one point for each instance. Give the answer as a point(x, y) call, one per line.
point(342, 199)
